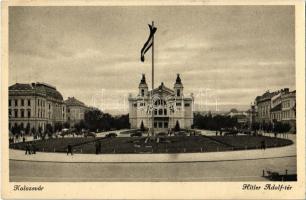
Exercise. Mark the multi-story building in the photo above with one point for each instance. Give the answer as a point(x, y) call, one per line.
point(289, 107)
point(33, 106)
point(161, 108)
point(277, 106)
point(263, 104)
point(75, 110)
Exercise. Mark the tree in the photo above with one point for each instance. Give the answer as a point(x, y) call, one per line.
point(33, 130)
point(92, 119)
point(96, 119)
point(15, 129)
point(280, 127)
point(177, 126)
point(66, 125)
point(49, 128)
point(58, 126)
point(27, 129)
point(80, 125)
point(142, 128)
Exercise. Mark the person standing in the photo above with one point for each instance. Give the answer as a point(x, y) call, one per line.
point(99, 147)
point(33, 148)
point(27, 149)
point(69, 149)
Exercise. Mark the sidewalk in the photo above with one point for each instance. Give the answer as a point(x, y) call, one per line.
point(287, 151)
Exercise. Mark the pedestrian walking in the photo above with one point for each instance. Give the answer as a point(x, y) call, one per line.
point(27, 149)
point(33, 149)
point(69, 149)
point(97, 147)
point(100, 147)
point(264, 144)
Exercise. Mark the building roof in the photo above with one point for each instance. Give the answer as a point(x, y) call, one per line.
point(20, 86)
point(143, 79)
point(71, 101)
point(277, 108)
point(178, 79)
point(163, 88)
point(38, 88)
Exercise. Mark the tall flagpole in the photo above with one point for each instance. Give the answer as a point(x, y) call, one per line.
point(152, 81)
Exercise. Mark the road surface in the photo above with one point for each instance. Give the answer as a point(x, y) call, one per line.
point(240, 170)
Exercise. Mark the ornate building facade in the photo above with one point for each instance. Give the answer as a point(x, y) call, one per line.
point(33, 106)
point(161, 107)
point(278, 106)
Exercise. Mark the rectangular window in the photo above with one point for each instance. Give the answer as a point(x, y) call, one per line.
point(155, 124)
point(187, 104)
point(29, 102)
point(166, 125)
point(10, 112)
point(178, 104)
point(29, 113)
point(22, 113)
point(16, 113)
point(16, 102)
point(10, 102)
point(160, 124)
point(22, 102)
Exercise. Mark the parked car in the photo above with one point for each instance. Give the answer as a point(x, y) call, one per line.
point(111, 135)
point(180, 133)
point(89, 134)
point(136, 134)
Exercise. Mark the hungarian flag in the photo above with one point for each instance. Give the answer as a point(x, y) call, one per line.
point(148, 43)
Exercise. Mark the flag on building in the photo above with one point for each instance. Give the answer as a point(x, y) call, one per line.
point(148, 43)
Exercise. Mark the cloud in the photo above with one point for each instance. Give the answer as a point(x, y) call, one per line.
point(239, 51)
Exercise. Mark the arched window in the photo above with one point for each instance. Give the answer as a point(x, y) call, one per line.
point(178, 93)
point(142, 92)
point(165, 111)
point(160, 111)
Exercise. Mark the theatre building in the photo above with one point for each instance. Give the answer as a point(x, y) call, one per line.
point(33, 106)
point(161, 107)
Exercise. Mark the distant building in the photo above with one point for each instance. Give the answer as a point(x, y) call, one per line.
point(169, 107)
point(263, 104)
point(75, 110)
point(278, 106)
point(283, 106)
point(241, 116)
point(251, 116)
point(34, 106)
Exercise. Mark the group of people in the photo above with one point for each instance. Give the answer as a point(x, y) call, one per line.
point(263, 144)
point(30, 148)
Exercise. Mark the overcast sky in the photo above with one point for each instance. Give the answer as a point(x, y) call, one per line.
point(231, 53)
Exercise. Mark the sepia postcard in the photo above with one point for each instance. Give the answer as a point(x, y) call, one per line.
point(153, 99)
